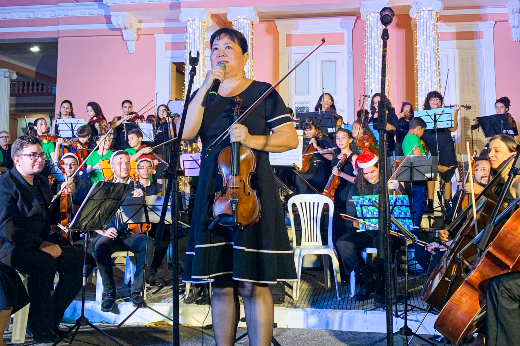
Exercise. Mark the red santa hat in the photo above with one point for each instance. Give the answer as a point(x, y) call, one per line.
point(145, 158)
point(365, 159)
point(74, 155)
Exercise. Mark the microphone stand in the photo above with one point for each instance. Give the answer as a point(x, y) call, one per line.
point(173, 174)
point(384, 241)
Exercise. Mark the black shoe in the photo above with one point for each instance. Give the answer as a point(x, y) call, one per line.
point(45, 336)
point(447, 206)
point(193, 294)
point(137, 299)
point(108, 302)
point(364, 293)
point(59, 332)
point(151, 280)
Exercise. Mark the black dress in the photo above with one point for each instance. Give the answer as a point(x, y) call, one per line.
point(261, 252)
point(12, 291)
point(341, 196)
point(319, 170)
point(440, 143)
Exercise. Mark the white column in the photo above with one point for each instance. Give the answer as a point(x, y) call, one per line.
point(5, 95)
point(243, 19)
point(373, 45)
point(426, 14)
point(513, 8)
point(196, 19)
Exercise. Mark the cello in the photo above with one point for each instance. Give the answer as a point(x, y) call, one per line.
point(237, 205)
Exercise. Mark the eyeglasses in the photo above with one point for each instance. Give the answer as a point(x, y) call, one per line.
point(4, 137)
point(70, 165)
point(147, 168)
point(34, 156)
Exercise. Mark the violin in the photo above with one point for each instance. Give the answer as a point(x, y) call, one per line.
point(466, 107)
point(136, 118)
point(237, 205)
point(426, 151)
point(138, 228)
point(333, 182)
point(158, 157)
point(366, 141)
point(53, 138)
point(99, 118)
point(306, 158)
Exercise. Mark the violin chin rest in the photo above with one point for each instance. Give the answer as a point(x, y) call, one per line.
point(227, 220)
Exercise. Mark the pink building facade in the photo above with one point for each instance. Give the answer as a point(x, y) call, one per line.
point(112, 50)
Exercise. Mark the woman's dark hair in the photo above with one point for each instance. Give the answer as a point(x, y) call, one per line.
point(318, 105)
point(150, 119)
point(96, 108)
point(406, 103)
point(388, 104)
point(432, 95)
point(126, 101)
point(23, 142)
point(311, 122)
point(366, 130)
point(71, 108)
point(35, 122)
point(232, 34)
point(509, 141)
point(505, 101)
point(158, 118)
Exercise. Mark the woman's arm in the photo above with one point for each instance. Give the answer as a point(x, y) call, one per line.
point(282, 138)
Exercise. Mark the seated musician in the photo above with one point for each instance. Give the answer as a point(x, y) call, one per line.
point(391, 125)
point(117, 124)
point(319, 171)
point(94, 161)
point(118, 238)
point(326, 103)
point(70, 164)
point(412, 146)
point(350, 246)
point(135, 140)
point(50, 149)
point(360, 128)
point(25, 226)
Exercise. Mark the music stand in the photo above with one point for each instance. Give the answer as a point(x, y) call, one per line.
point(368, 212)
point(148, 131)
point(496, 124)
point(101, 204)
point(439, 118)
point(68, 128)
point(139, 211)
point(190, 164)
point(325, 119)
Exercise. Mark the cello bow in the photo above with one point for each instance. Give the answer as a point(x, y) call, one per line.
point(248, 111)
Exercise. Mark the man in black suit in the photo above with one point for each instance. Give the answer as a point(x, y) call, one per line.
point(25, 227)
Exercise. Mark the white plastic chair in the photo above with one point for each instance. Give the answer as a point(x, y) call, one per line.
point(310, 208)
point(129, 273)
point(353, 274)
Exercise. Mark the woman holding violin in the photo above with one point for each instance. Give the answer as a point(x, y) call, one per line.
point(66, 112)
point(391, 118)
point(120, 142)
point(96, 116)
point(235, 259)
point(340, 180)
point(440, 141)
point(326, 103)
point(407, 113)
point(165, 129)
point(315, 168)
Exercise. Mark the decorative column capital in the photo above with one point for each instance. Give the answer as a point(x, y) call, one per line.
point(128, 25)
point(513, 8)
point(368, 7)
point(248, 13)
point(200, 14)
point(8, 74)
point(426, 5)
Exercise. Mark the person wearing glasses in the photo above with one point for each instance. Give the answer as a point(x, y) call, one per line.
point(70, 164)
point(5, 150)
point(117, 237)
point(25, 230)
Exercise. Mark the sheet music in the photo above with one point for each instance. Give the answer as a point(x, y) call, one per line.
point(289, 157)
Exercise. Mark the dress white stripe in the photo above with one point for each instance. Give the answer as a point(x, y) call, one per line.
point(288, 122)
point(208, 276)
point(190, 253)
point(263, 251)
point(264, 282)
point(278, 117)
point(216, 244)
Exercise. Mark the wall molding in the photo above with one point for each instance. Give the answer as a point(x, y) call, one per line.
point(513, 8)
point(368, 7)
point(128, 25)
point(423, 5)
point(79, 9)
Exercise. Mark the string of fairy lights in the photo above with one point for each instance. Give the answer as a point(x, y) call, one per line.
point(373, 53)
point(245, 26)
point(427, 63)
point(195, 42)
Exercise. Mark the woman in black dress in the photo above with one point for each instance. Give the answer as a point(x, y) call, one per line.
point(391, 121)
point(239, 260)
point(440, 143)
point(13, 296)
point(402, 127)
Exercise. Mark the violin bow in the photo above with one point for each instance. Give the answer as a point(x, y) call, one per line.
point(79, 167)
point(470, 174)
point(402, 163)
point(225, 134)
point(146, 105)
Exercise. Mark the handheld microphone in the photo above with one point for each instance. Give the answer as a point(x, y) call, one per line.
point(212, 94)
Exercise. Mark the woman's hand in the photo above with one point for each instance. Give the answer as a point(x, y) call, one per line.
point(239, 133)
point(216, 72)
point(335, 171)
point(313, 142)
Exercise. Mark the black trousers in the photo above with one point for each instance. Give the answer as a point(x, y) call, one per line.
point(46, 309)
point(350, 247)
point(139, 244)
point(503, 310)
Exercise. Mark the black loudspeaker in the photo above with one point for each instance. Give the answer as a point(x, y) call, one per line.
point(278, 292)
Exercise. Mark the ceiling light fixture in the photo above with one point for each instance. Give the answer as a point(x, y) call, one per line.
point(35, 49)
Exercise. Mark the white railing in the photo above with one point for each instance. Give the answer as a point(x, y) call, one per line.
point(30, 87)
